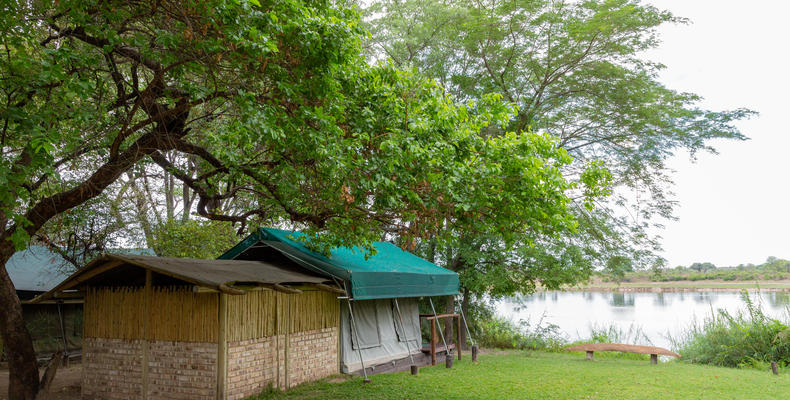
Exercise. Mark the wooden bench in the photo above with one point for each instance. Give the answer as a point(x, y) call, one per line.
point(654, 352)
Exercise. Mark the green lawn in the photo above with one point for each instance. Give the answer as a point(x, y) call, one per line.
point(520, 375)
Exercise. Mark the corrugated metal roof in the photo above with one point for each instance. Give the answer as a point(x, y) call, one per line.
point(38, 269)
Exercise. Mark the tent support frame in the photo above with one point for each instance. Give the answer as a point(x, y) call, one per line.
point(354, 332)
point(406, 338)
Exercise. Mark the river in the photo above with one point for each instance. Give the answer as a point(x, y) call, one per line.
point(658, 316)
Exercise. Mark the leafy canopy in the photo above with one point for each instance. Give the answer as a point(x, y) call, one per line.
point(575, 70)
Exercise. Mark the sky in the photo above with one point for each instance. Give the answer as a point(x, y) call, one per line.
point(734, 207)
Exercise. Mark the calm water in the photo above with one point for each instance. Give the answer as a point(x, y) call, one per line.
point(657, 314)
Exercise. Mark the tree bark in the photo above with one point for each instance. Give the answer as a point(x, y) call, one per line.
point(449, 323)
point(23, 370)
point(23, 377)
point(465, 311)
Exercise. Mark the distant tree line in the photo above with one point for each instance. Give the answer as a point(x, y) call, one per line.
point(772, 269)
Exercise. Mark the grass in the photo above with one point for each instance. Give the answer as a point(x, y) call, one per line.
point(539, 375)
point(745, 338)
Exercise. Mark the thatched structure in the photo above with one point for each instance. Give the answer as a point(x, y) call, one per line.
point(201, 329)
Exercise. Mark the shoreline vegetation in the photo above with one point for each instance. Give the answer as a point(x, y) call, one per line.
point(598, 285)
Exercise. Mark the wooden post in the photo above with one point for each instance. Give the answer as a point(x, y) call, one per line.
point(589, 355)
point(774, 368)
point(287, 340)
point(222, 347)
point(146, 323)
point(654, 359)
point(458, 343)
point(433, 341)
point(415, 370)
point(475, 349)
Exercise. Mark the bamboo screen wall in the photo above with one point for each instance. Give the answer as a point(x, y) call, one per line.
point(176, 314)
point(267, 313)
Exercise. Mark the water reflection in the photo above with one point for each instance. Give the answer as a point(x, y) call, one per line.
point(660, 300)
point(622, 300)
point(777, 300)
point(658, 315)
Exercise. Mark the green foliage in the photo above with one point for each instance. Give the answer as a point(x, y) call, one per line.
point(702, 267)
point(194, 239)
point(618, 266)
point(745, 339)
point(572, 69)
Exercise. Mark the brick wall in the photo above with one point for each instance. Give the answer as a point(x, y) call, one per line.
point(111, 369)
point(182, 370)
point(312, 355)
point(254, 364)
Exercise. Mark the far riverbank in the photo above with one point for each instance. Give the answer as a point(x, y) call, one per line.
point(682, 286)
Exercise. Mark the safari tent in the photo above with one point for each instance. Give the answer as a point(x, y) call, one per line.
point(379, 316)
point(269, 312)
point(174, 328)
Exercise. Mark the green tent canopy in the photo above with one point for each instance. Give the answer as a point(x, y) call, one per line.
point(390, 273)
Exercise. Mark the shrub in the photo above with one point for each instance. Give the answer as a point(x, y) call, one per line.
point(745, 339)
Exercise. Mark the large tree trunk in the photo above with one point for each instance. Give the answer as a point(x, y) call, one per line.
point(449, 332)
point(465, 311)
point(23, 370)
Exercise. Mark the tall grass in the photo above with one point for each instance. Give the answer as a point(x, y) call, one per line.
point(499, 332)
point(494, 331)
point(747, 338)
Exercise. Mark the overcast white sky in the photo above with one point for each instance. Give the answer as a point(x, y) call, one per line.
point(735, 206)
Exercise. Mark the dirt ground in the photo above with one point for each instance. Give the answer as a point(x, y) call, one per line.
point(66, 385)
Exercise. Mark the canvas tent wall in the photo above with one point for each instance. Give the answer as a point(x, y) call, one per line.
point(202, 329)
point(372, 283)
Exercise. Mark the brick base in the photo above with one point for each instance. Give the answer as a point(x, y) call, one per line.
point(312, 355)
point(182, 370)
point(112, 369)
point(254, 365)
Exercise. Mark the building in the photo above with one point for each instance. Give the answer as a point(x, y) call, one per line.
point(270, 313)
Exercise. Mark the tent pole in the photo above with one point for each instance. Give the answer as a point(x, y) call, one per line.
point(441, 333)
point(354, 332)
point(463, 317)
point(63, 335)
point(405, 336)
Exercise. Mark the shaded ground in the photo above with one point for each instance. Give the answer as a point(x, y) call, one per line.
point(66, 385)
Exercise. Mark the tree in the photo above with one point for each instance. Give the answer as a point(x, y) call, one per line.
point(194, 239)
point(574, 70)
point(617, 266)
point(702, 267)
point(267, 104)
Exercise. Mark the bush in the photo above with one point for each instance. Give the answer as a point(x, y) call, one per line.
point(502, 333)
point(745, 339)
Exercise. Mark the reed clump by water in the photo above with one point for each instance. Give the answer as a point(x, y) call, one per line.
point(748, 338)
point(494, 331)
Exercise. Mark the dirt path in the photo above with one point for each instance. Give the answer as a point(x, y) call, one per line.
point(66, 385)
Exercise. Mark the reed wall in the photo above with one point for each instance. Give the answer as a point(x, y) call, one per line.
point(260, 314)
point(175, 314)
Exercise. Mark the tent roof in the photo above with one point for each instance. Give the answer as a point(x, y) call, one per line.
point(38, 269)
point(391, 272)
point(213, 274)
